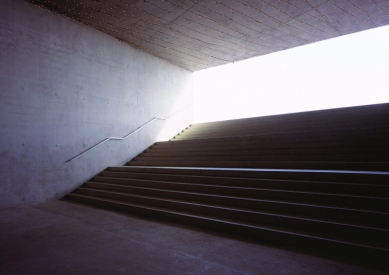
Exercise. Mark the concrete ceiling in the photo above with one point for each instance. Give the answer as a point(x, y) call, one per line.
point(200, 34)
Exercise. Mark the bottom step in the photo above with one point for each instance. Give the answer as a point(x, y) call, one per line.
point(264, 234)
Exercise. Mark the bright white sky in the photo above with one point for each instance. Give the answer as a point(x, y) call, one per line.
point(347, 71)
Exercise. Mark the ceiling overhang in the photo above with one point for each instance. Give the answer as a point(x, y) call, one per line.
point(200, 34)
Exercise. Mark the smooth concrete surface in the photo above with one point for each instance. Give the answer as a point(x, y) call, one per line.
point(64, 87)
point(66, 238)
point(200, 34)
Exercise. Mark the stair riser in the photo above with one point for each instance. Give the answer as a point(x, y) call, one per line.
point(307, 176)
point(349, 233)
point(241, 151)
point(268, 165)
point(253, 150)
point(329, 119)
point(281, 133)
point(307, 137)
point(254, 129)
point(221, 183)
point(326, 200)
point(299, 157)
point(268, 137)
point(303, 133)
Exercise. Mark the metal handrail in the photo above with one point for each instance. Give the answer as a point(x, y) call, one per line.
point(126, 136)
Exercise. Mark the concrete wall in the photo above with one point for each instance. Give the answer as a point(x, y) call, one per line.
point(65, 87)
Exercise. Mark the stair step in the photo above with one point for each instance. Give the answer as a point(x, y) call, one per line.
point(284, 174)
point(243, 151)
point(355, 166)
point(346, 231)
point(302, 119)
point(322, 132)
point(315, 179)
point(235, 184)
point(260, 128)
point(371, 113)
point(316, 139)
point(312, 211)
point(272, 143)
point(263, 232)
point(383, 157)
point(295, 137)
point(330, 200)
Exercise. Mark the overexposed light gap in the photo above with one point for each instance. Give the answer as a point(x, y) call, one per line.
point(350, 70)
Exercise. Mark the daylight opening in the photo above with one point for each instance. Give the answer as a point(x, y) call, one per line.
point(350, 70)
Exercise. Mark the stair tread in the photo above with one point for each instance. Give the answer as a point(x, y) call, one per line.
point(237, 222)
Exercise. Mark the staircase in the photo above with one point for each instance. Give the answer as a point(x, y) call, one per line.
point(315, 180)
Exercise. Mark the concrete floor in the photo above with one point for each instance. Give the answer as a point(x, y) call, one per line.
point(66, 238)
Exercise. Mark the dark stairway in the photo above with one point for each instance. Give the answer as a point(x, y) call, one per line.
point(315, 180)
